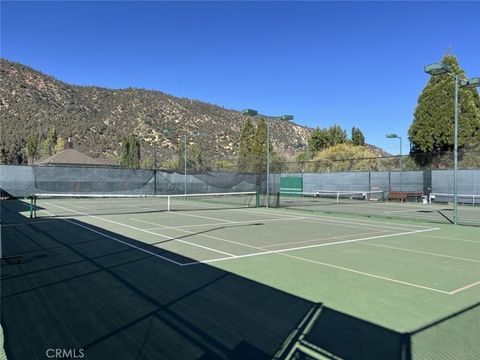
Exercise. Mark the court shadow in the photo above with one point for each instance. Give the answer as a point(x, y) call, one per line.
point(203, 232)
point(87, 290)
point(14, 211)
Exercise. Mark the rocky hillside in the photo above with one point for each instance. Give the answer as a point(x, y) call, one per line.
point(97, 118)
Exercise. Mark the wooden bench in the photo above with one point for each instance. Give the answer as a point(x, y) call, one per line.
point(404, 196)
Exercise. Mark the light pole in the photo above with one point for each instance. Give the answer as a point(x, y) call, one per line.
point(395, 136)
point(442, 68)
point(251, 112)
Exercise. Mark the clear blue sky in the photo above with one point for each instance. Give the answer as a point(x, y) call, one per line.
point(348, 63)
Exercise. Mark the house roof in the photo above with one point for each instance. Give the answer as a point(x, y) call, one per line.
point(70, 157)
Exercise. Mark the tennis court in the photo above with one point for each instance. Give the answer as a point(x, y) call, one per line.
point(438, 209)
point(398, 274)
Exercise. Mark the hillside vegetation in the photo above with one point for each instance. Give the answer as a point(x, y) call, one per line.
point(32, 103)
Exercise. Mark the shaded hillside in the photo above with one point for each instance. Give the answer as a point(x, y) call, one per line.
point(97, 118)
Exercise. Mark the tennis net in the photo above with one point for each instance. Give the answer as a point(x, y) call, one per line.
point(464, 199)
point(75, 204)
point(329, 197)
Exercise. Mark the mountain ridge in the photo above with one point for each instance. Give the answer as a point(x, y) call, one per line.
point(97, 118)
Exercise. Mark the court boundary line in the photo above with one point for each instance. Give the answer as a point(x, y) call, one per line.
point(422, 252)
point(368, 274)
point(205, 217)
point(373, 223)
point(117, 240)
point(280, 252)
point(378, 215)
point(142, 230)
point(266, 247)
point(309, 246)
point(463, 288)
point(209, 236)
point(224, 224)
point(452, 239)
point(287, 211)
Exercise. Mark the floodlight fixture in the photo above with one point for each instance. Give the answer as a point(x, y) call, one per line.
point(472, 83)
point(438, 69)
point(250, 112)
point(391, 136)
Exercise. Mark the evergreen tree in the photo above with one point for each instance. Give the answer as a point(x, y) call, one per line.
point(181, 155)
point(336, 135)
point(357, 137)
point(259, 148)
point(124, 151)
point(134, 152)
point(3, 154)
point(60, 145)
point(324, 138)
point(245, 147)
point(16, 154)
point(432, 129)
point(130, 152)
point(318, 140)
point(48, 145)
point(32, 148)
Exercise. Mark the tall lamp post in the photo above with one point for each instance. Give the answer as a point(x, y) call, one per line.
point(395, 136)
point(251, 112)
point(442, 68)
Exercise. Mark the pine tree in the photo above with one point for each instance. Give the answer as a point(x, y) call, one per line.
point(322, 139)
point(318, 140)
point(432, 129)
point(357, 137)
point(245, 147)
point(32, 148)
point(181, 155)
point(60, 145)
point(124, 151)
point(336, 135)
point(259, 147)
point(134, 152)
point(48, 145)
point(130, 152)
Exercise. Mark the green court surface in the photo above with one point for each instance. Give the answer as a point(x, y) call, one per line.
point(395, 273)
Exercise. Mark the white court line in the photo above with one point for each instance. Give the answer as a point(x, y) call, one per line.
point(370, 275)
point(311, 246)
point(464, 288)
point(117, 240)
point(142, 230)
point(327, 238)
point(210, 236)
point(397, 211)
point(265, 247)
point(452, 239)
point(357, 222)
point(335, 221)
point(205, 217)
point(281, 253)
point(223, 224)
point(329, 219)
point(422, 252)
